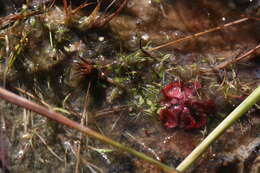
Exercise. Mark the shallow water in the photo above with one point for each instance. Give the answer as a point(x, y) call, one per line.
point(126, 109)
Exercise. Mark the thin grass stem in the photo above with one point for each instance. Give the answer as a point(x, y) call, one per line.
point(20, 101)
point(253, 98)
point(171, 43)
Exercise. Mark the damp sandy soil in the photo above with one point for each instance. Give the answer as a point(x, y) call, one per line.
point(99, 76)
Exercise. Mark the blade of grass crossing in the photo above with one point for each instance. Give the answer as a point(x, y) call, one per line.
point(253, 98)
point(20, 101)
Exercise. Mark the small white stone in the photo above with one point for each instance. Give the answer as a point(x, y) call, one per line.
point(101, 38)
point(145, 37)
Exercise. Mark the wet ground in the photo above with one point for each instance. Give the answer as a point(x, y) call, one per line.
point(100, 77)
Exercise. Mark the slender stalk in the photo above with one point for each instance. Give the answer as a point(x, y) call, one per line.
point(171, 43)
point(220, 129)
point(20, 101)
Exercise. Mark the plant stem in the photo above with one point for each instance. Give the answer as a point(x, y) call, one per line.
point(171, 43)
point(220, 129)
point(20, 101)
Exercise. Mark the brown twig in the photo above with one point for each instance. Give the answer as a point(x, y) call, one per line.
point(20, 101)
point(145, 52)
point(105, 19)
point(199, 34)
point(230, 61)
point(5, 21)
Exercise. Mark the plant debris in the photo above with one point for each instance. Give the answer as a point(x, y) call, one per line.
point(183, 108)
point(103, 64)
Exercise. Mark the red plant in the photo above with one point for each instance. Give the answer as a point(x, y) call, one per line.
point(183, 108)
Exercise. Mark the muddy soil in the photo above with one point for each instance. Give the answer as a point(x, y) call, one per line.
point(101, 78)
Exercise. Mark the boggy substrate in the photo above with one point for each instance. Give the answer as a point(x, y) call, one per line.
point(100, 77)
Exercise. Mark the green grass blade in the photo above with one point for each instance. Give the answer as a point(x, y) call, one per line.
point(20, 101)
point(220, 129)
